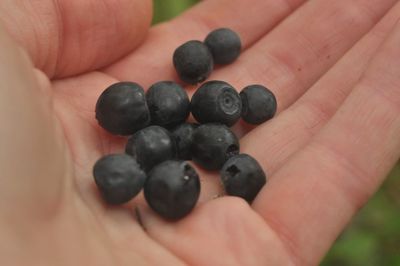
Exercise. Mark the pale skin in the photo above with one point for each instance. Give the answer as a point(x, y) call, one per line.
point(333, 65)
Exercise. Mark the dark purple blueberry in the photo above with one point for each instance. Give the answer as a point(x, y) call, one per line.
point(151, 146)
point(213, 145)
point(242, 176)
point(118, 177)
point(193, 62)
point(216, 102)
point(259, 104)
point(183, 137)
point(224, 44)
point(168, 103)
point(122, 109)
point(172, 189)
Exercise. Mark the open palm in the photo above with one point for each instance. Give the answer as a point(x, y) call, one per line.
point(333, 65)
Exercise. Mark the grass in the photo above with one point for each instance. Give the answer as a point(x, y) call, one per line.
point(166, 9)
point(373, 237)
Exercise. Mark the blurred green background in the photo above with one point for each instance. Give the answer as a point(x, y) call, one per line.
point(373, 237)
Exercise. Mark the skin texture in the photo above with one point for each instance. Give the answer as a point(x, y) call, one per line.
point(333, 66)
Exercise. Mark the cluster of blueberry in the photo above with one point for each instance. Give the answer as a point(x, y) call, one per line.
point(162, 142)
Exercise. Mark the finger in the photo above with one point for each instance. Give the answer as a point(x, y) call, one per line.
point(295, 126)
point(68, 37)
point(154, 57)
point(75, 108)
point(225, 226)
point(33, 157)
point(310, 200)
point(291, 58)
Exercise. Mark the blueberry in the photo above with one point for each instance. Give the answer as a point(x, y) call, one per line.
point(122, 109)
point(118, 177)
point(172, 189)
point(216, 101)
point(183, 137)
point(151, 146)
point(259, 104)
point(243, 177)
point(224, 44)
point(168, 103)
point(193, 62)
point(213, 145)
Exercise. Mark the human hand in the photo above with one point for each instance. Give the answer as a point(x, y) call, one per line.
point(333, 141)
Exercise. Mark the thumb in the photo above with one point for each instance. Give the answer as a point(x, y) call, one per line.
point(33, 154)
